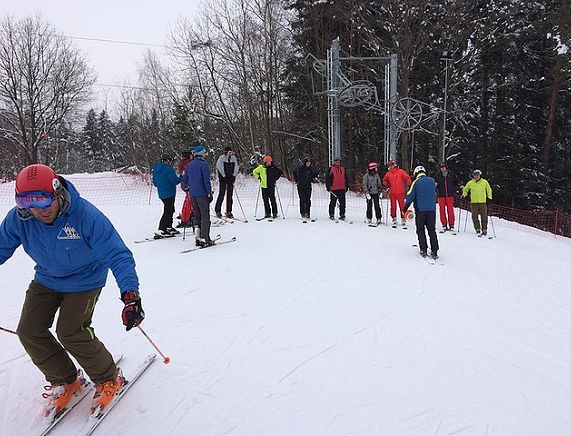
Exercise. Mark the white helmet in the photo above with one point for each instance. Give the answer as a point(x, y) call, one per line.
point(418, 169)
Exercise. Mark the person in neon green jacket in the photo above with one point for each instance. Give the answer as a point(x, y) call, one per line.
point(268, 174)
point(479, 191)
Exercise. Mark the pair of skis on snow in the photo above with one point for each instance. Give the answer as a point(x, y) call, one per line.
point(87, 388)
point(215, 239)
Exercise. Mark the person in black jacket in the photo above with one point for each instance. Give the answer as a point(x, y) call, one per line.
point(304, 176)
point(447, 184)
point(227, 169)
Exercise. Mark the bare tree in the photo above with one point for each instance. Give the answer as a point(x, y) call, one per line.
point(235, 54)
point(43, 80)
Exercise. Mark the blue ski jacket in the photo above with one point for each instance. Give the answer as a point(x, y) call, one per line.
point(165, 179)
point(75, 252)
point(422, 193)
point(197, 178)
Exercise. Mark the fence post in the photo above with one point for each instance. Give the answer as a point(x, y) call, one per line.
point(555, 229)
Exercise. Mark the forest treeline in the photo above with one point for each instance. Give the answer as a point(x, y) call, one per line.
point(241, 74)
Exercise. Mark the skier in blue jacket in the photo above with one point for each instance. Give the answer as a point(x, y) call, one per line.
point(196, 179)
point(165, 179)
point(422, 193)
point(74, 245)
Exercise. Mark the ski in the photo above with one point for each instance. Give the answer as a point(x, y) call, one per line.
point(221, 220)
point(95, 420)
point(156, 239)
point(442, 231)
point(240, 220)
point(429, 258)
point(264, 218)
point(344, 221)
point(86, 389)
point(233, 239)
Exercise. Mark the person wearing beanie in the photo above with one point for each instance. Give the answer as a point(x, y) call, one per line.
point(398, 181)
point(186, 157)
point(447, 184)
point(268, 174)
point(337, 185)
point(73, 245)
point(372, 187)
point(480, 192)
point(422, 193)
point(227, 170)
point(304, 176)
point(196, 179)
point(165, 179)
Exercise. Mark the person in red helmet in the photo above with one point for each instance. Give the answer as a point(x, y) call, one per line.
point(372, 189)
point(74, 245)
point(398, 182)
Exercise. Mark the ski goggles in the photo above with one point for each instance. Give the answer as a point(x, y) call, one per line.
point(36, 199)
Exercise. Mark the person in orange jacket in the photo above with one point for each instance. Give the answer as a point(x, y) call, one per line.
point(398, 182)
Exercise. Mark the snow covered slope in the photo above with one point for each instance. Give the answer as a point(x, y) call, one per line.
point(324, 329)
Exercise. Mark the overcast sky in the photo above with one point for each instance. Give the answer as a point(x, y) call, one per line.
point(140, 21)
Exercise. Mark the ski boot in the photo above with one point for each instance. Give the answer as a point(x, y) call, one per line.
point(160, 234)
point(105, 392)
point(59, 396)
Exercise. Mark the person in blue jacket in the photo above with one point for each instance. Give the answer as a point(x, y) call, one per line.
point(165, 179)
point(74, 245)
point(422, 193)
point(196, 179)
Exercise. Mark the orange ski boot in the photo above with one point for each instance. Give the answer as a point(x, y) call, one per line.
point(105, 393)
point(59, 396)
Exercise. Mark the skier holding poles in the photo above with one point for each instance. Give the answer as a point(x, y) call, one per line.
point(74, 245)
point(372, 188)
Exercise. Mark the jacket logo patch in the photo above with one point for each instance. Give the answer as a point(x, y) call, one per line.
point(68, 232)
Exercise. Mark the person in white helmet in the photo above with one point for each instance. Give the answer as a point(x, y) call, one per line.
point(422, 193)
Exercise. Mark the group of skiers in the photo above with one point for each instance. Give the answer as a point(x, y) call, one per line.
point(402, 192)
point(194, 178)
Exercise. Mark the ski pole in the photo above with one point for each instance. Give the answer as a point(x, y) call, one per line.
point(280, 201)
point(240, 203)
point(8, 331)
point(166, 360)
point(257, 199)
point(465, 221)
point(459, 216)
point(492, 223)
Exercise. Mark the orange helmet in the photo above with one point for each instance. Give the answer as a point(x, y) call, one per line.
point(267, 159)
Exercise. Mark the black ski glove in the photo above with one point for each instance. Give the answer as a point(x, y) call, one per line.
point(133, 313)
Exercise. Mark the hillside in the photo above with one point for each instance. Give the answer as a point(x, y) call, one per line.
point(324, 329)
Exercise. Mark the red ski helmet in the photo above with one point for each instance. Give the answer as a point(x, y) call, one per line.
point(267, 159)
point(37, 177)
point(373, 165)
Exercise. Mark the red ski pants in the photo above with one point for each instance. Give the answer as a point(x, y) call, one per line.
point(394, 199)
point(446, 205)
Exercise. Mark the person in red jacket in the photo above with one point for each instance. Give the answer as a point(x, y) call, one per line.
point(398, 182)
point(337, 185)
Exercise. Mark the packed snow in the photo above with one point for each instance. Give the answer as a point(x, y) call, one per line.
point(320, 328)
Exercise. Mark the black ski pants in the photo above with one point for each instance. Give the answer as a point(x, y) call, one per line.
point(226, 188)
point(269, 198)
point(333, 197)
point(373, 201)
point(426, 220)
point(304, 200)
point(168, 212)
point(201, 216)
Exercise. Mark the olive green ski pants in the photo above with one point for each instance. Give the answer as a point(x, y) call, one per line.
point(74, 332)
